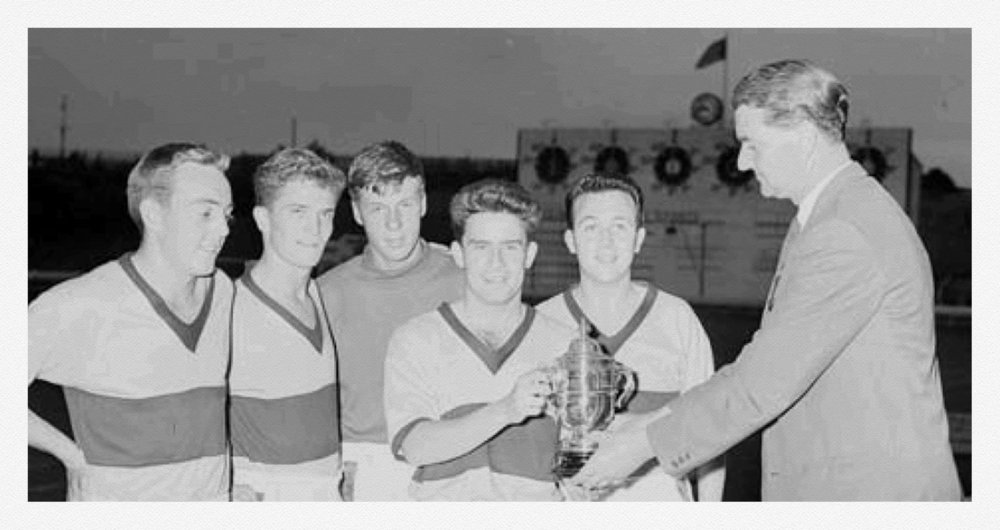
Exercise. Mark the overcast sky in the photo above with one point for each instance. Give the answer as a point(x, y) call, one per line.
point(462, 92)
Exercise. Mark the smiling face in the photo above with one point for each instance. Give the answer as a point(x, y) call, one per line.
point(391, 220)
point(775, 154)
point(297, 223)
point(605, 237)
point(192, 224)
point(494, 252)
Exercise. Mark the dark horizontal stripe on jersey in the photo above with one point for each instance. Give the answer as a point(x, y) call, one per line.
point(476, 458)
point(150, 431)
point(397, 441)
point(396, 445)
point(649, 401)
point(524, 450)
point(287, 430)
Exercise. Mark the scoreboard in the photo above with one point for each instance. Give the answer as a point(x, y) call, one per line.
point(711, 237)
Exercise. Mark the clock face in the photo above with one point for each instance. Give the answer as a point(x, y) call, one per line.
point(706, 108)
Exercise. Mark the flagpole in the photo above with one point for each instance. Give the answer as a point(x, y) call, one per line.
point(725, 77)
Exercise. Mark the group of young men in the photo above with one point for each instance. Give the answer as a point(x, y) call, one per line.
point(411, 371)
point(415, 371)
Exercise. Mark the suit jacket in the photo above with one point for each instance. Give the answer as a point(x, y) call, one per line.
point(842, 371)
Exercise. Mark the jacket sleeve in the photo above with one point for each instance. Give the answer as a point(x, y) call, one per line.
point(832, 287)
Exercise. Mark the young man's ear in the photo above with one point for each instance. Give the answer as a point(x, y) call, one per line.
point(356, 210)
point(569, 241)
point(640, 236)
point(530, 253)
point(423, 203)
point(457, 255)
point(151, 213)
point(263, 219)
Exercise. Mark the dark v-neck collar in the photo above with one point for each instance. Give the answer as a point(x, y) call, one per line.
point(613, 343)
point(493, 359)
point(314, 335)
point(187, 333)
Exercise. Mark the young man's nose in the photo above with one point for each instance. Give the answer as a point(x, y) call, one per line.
point(394, 219)
point(222, 226)
point(314, 225)
point(604, 236)
point(496, 258)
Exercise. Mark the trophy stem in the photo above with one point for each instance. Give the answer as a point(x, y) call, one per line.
point(569, 463)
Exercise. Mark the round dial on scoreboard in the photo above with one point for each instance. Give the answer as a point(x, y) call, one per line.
point(552, 165)
point(727, 171)
point(612, 159)
point(672, 166)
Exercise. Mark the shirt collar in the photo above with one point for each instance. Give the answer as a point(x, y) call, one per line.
point(805, 209)
point(368, 261)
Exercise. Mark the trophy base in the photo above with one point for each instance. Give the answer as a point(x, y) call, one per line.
point(568, 463)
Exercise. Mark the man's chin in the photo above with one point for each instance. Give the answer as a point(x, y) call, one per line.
point(398, 252)
point(497, 297)
point(607, 274)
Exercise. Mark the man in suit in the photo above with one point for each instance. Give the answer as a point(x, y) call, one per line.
point(842, 373)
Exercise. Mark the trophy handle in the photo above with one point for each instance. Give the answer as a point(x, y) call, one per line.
point(626, 378)
point(556, 379)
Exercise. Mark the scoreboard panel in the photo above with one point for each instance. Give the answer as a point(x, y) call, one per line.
point(711, 237)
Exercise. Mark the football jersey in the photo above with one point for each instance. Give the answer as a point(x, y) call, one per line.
point(283, 383)
point(145, 391)
point(436, 368)
point(665, 344)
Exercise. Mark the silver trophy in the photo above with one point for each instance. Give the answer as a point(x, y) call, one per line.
point(588, 387)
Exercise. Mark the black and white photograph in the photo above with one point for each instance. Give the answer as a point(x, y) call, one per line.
point(433, 258)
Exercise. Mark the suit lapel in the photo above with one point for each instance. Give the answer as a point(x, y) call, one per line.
point(793, 232)
point(822, 209)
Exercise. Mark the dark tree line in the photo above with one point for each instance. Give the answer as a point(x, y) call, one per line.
point(77, 211)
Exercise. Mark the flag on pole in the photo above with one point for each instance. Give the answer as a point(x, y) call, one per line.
point(714, 53)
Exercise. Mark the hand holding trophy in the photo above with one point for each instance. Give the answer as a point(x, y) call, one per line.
point(588, 387)
point(529, 397)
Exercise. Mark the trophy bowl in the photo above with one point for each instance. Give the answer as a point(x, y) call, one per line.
point(588, 387)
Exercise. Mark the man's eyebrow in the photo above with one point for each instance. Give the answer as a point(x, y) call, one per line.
point(591, 217)
point(207, 200)
point(502, 242)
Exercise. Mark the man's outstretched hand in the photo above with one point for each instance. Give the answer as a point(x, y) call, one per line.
point(623, 451)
